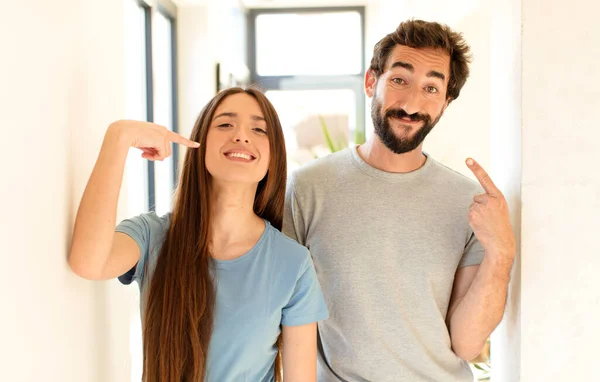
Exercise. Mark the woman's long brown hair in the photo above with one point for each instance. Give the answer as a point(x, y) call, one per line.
point(179, 315)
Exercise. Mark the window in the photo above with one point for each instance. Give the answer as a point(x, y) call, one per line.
point(165, 106)
point(151, 96)
point(136, 102)
point(310, 62)
point(138, 93)
point(303, 113)
point(319, 43)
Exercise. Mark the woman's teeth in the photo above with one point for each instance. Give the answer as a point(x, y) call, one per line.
point(240, 155)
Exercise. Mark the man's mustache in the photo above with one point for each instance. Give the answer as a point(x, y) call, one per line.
point(400, 113)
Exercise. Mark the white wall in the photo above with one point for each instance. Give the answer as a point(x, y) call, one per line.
point(506, 164)
point(208, 33)
point(62, 76)
point(560, 299)
point(464, 130)
point(196, 63)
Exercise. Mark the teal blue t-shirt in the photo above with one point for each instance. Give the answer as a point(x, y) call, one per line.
point(271, 285)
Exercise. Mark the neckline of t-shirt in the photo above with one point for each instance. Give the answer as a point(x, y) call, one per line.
point(227, 264)
point(388, 176)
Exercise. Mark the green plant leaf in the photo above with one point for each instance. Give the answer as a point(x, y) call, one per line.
point(359, 137)
point(330, 143)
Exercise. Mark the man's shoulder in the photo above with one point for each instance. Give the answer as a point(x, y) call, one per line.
point(452, 178)
point(321, 169)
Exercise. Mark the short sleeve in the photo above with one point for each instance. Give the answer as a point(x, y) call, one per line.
point(473, 254)
point(293, 224)
point(140, 229)
point(307, 304)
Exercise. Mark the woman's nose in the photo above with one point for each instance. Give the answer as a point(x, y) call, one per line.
point(240, 135)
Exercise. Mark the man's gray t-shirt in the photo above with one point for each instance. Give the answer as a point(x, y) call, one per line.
point(386, 248)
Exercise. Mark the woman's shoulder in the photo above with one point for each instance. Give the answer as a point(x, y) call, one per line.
point(163, 220)
point(288, 250)
point(290, 245)
point(148, 229)
point(151, 220)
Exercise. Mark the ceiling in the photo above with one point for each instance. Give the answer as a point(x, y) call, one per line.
point(282, 3)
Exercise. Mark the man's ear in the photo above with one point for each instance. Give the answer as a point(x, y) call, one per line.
point(370, 83)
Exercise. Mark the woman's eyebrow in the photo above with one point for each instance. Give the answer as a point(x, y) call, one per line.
point(235, 115)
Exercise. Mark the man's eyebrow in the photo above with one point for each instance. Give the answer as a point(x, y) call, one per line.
point(235, 115)
point(411, 68)
point(437, 74)
point(402, 64)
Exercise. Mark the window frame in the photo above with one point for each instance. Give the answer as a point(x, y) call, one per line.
point(168, 10)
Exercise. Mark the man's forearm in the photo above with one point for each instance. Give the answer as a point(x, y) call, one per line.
point(481, 309)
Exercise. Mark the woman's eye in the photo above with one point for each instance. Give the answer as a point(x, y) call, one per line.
point(225, 125)
point(259, 130)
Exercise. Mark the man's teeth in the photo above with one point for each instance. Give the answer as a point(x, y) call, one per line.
point(240, 155)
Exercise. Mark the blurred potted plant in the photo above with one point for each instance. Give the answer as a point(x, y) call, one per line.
point(341, 143)
point(481, 364)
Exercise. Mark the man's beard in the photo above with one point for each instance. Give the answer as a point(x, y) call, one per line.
point(384, 130)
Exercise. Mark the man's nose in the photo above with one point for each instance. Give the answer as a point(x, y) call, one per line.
point(410, 102)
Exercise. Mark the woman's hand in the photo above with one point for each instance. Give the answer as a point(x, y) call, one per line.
point(97, 252)
point(154, 140)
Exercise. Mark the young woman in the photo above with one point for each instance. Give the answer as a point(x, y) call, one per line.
point(225, 296)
